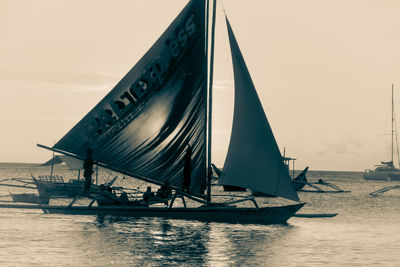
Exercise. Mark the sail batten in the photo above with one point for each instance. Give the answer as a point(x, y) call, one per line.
point(253, 160)
point(143, 126)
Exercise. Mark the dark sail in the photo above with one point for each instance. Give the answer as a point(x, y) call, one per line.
point(144, 124)
point(253, 160)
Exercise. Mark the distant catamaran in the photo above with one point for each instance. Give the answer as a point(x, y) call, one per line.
point(143, 126)
point(386, 170)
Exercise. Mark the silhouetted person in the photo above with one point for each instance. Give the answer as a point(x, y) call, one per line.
point(148, 194)
point(187, 169)
point(164, 192)
point(88, 169)
point(123, 198)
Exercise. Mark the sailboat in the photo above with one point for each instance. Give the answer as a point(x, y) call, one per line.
point(386, 170)
point(53, 186)
point(142, 127)
point(300, 180)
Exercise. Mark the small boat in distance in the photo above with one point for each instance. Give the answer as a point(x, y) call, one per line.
point(54, 186)
point(301, 180)
point(386, 171)
point(319, 187)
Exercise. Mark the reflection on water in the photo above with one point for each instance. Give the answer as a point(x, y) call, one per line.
point(152, 240)
point(365, 233)
point(155, 242)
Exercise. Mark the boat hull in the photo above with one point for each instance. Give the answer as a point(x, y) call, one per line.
point(265, 215)
point(394, 176)
point(382, 176)
point(55, 189)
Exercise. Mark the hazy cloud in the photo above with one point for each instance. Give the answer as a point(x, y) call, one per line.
point(58, 77)
point(79, 88)
point(348, 145)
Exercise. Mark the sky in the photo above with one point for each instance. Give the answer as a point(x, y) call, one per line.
point(323, 71)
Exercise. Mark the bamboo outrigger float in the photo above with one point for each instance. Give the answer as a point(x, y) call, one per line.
point(383, 190)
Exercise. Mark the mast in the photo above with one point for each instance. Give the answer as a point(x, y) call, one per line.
point(392, 126)
point(209, 168)
point(51, 170)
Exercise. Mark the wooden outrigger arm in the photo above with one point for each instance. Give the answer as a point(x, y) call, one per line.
point(196, 197)
point(383, 190)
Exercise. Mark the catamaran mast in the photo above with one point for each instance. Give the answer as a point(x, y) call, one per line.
point(392, 126)
point(211, 48)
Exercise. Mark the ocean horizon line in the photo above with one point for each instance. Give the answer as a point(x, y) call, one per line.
point(297, 170)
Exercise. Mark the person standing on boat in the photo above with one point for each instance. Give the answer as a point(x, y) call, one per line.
point(88, 169)
point(187, 169)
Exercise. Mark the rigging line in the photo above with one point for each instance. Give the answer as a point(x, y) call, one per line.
point(210, 91)
point(397, 142)
point(222, 5)
point(196, 196)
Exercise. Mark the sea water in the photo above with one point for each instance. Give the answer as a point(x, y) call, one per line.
point(366, 232)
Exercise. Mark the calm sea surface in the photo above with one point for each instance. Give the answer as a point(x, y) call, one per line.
point(366, 232)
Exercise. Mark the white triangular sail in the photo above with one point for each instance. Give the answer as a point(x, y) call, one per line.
point(253, 160)
point(72, 163)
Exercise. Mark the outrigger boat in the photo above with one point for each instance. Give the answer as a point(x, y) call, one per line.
point(143, 126)
point(54, 186)
point(318, 187)
point(301, 180)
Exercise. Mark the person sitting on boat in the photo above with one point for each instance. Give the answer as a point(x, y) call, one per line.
point(123, 198)
point(88, 169)
point(164, 192)
point(105, 188)
point(187, 169)
point(148, 195)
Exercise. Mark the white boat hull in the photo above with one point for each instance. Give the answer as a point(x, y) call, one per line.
point(55, 189)
point(382, 176)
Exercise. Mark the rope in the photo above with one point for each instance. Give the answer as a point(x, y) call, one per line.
point(397, 142)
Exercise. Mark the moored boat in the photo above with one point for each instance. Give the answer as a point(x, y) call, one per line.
point(54, 186)
point(386, 171)
point(57, 187)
